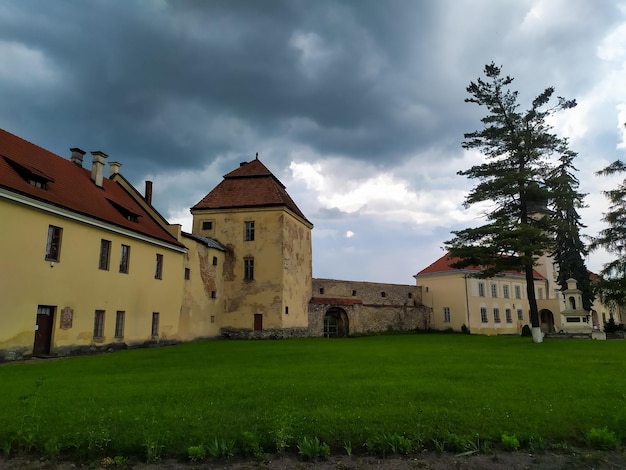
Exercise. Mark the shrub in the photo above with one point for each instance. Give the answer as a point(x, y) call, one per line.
point(610, 326)
point(509, 443)
point(526, 331)
point(465, 329)
point(602, 439)
point(196, 453)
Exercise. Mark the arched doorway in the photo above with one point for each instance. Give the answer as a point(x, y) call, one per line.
point(547, 321)
point(336, 323)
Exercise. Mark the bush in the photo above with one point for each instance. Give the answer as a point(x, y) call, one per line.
point(610, 326)
point(526, 331)
point(602, 439)
point(509, 443)
point(464, 329)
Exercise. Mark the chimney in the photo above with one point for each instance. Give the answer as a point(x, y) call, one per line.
point(148, 194)
point(242, 163)
point(77, 156)
point(97, 169)
point(114, 168)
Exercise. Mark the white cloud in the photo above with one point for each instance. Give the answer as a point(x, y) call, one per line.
point(349, 234)
point(26, 66)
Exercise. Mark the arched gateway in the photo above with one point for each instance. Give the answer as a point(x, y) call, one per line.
point(336, 323)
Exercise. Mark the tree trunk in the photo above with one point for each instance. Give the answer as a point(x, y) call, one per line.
point(532, 302)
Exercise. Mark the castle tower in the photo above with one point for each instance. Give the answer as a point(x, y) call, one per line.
point(268, 263)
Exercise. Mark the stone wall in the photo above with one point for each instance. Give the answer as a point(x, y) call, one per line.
point(269, 333)
point(369, 307)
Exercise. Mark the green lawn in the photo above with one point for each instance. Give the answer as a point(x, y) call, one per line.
point(427, 388)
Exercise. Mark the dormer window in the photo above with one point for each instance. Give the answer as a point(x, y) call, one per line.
point(127, 213)
point(32, 175)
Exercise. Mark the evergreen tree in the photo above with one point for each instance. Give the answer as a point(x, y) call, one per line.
point(611, 286)
point(569, 248)
point(513, 178)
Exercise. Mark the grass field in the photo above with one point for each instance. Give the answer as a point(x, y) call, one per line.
point(446, 391)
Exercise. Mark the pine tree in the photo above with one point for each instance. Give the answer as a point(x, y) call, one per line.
point(569, 248)
point(611, 285)
point(513, 178)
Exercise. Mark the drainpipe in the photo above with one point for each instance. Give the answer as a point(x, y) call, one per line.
point(467, 312)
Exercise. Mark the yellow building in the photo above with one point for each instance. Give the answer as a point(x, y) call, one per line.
point(268, 261)
point(499, 305)
point(485, 306)
point(87, 262)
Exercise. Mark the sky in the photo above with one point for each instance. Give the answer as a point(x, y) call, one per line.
point(356, 106)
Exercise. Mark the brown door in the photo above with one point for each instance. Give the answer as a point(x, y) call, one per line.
point(258, 322)
point(43, 330)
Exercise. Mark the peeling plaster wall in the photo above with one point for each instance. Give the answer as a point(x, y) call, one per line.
point(202, 303)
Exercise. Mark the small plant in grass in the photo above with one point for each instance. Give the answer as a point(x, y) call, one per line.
point(399, 444)
point(52, 448)
point(311, 449)
point(251, 445)
point(196, 453)
point(602, 439)
point(221, 448)
point(509, 442)
point(114, 462)
point(347, 446)
point(536, 443)
point(440, 445)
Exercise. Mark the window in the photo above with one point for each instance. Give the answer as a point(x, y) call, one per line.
point(286, 310)
point(127, 213)
point(540, 292)
point(155, 324)
point(119, 324)
point(248, 269)
point(124, 258)
point(353, 293)
point(496, 315)
point(215, 261)
point(98, 324)
point(207, 225)
point(518, 292)
point(483, 314)
point(249, 236)
point(410, 295)
point(213, 294)
point(158, 269)
point(187, 273)
point(37, 182)
point(481, 289)
point(494, 290)
point(520, 314)
point(321, 290)
point(105, 254)
point(446, 314)
point(508, 315)
point(383, 294)
point(212, 318)
point(505, 291)
point(53, 245)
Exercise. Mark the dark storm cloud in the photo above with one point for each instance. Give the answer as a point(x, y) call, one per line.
point(145, 81)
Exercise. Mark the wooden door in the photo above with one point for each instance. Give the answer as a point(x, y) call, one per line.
point(258, 322)
point(43, 331)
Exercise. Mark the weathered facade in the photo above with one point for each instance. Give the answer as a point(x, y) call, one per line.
point(342, 308)
point(268, 257)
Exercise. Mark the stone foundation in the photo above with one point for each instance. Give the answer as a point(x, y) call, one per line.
point(270, 333)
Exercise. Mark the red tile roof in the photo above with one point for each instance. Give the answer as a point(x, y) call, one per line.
point(443, 266)
point(70, 186)
point(335, 301)
point(250, 185)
